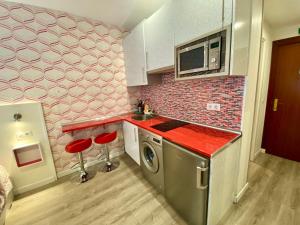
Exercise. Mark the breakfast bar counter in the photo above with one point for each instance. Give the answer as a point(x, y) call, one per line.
point(200, 139)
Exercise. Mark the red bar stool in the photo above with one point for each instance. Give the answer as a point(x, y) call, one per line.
point(78, 146)
point(104, 139)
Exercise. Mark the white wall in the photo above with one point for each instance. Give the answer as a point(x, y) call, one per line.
point(285, 32)
point(35, 175)
point(89, 83)
point(262, 89)
point(125, 13)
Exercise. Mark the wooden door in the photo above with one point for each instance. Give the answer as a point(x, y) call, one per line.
point(282, 124)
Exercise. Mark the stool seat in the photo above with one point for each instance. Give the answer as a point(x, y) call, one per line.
point(79, 145)
point(105, 138)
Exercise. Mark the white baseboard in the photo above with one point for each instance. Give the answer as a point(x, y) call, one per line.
point(30, 187)
point(262, 150)
point(88, 164)
point(256, 154)
point(241, 193)
point(35, 185)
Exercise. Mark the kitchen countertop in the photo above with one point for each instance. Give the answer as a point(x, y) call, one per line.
point(199, 139)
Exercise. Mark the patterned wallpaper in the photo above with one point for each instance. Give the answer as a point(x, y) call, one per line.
point(187, 100)
point(73, 65)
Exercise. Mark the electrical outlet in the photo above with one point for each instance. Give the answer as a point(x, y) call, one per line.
point(213, 107)
point(209, 106)
point(217, 107)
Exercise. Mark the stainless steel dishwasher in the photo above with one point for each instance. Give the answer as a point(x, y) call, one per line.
point(186, 182)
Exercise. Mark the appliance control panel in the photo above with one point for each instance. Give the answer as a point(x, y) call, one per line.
point(214, 54)
point(150, 137)
point(156, 140)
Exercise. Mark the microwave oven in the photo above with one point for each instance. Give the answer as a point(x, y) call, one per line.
point(207, 55)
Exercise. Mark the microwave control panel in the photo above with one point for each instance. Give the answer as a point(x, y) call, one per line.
point(214, 54)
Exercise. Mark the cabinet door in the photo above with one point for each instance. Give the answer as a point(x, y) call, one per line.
point(241, 37)
point(135, 56)
point(131, 139)
point(184, 181)
point(159, 31)
point(228, 12)
point(195, 18)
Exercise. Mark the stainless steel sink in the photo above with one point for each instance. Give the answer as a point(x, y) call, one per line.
point(142, 117)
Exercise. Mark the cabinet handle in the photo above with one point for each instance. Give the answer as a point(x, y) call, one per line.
point(223, 13)
point(147, 60)
point(200, 178)
point(143, 72)
point(135, 135)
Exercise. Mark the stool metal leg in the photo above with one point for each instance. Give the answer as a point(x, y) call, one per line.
point(109, 165)
point(83, 173)
point(107, 153)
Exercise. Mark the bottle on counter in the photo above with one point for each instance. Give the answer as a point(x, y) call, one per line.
point(140, 106)
point(146, 109)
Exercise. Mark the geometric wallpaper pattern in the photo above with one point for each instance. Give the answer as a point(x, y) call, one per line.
point(73, 65)
point(187, 100)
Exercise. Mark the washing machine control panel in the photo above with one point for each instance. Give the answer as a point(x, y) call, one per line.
point(158, 141)
point(150, 137)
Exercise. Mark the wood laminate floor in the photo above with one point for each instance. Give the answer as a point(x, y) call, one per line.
point(124, 197)
point(273, 197)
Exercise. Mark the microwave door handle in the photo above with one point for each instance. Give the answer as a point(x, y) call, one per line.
point(206, 55)
point(178, 63)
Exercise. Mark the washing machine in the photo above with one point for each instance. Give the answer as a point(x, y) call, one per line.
point(151, 154)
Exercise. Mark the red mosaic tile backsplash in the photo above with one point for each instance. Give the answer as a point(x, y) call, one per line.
point(187, 100)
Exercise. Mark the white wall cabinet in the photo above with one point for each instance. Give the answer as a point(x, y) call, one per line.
point(195, 18)
point(150, 45)
point(240, 43)
point(135, 56)
point(159, 33)
point(131, 138)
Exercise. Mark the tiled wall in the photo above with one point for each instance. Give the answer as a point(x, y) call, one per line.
point(187, 100)
point(73, 65)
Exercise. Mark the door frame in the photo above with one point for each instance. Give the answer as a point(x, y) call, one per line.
point(258, 98)
point(274, 60)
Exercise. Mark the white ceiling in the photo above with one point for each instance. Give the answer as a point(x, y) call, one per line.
point(280, 13)
point(122, 13)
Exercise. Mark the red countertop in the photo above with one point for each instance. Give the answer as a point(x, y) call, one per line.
point(199, 139)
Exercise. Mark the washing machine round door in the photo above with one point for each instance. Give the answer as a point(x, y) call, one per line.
point(149, 158)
